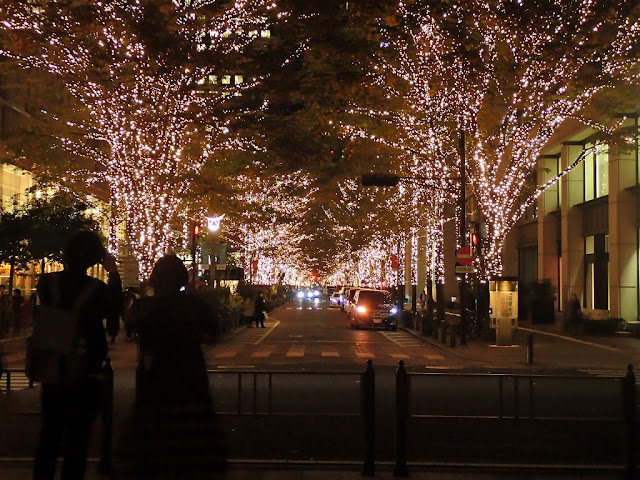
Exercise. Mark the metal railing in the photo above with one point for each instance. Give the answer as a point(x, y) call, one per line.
point(248, 393)
point(106, 410)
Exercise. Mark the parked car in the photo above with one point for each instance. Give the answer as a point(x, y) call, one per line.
point(348, 300)
point(374, 308)
point(334, 300)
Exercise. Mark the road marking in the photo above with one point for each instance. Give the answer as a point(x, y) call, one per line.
point(571, 339)
point(399, 355)
point(253, 335)
point(402, 339)
point(263, 352)
point(365, 354)
point(330, 354)
point(228, 354)
point(434, 356)
point(296, 351)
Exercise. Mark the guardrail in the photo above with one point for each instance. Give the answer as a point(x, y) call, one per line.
point(106, 410)
point(404, 383)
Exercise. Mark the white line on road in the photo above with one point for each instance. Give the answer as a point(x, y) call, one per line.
point(296, 351)
point(571, 339)
point(330, 354)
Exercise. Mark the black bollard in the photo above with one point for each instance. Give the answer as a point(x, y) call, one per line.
point(443, 332)
point(106, 411)
point(530, 349)
point(368, 410)
point(402, 413)
point(629, 409)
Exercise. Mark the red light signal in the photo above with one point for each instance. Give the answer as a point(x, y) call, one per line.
point(197, 229)
point(473, 239)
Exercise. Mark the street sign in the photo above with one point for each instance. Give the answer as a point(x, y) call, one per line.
point(464, 256)
point(465, 269)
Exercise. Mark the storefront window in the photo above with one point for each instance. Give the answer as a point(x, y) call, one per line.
point(596, 172)
point(596, 269)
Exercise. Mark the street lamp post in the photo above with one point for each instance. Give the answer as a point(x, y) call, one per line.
point(213, 226)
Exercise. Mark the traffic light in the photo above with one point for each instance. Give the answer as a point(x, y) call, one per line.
point(196, 231)
point(473, 239)
point(379, 180)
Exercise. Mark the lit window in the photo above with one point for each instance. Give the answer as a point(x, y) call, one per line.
point(238, 79)
point(265, 33)
point(213, 79)
point(226, 80)
point(596, 172)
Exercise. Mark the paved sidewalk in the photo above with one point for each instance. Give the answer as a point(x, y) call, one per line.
point(247, 472)
point(553, 349)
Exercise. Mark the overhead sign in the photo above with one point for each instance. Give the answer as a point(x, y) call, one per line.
point(464, 256)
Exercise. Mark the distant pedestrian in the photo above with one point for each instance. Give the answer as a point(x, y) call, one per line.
point(174, 431)
point(17, 302)
point(5, 311)
point(574, 313)
point(260, 308)
point(70, 405)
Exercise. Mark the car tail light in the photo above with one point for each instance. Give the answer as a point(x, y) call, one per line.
point(361, 309)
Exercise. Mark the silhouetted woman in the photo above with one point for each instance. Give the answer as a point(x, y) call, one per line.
point(175, 432)
point(70, 406)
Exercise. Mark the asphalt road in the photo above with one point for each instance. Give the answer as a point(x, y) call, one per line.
point(308, 407)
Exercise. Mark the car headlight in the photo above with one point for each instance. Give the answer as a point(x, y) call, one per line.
point(300, 294)
point(309, 294)
point(316, 293)
point(393, 310)
point(361, 309)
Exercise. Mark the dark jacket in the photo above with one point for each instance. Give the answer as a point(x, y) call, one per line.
point(103, 301)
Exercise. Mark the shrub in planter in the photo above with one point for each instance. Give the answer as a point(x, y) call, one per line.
point(605, 326)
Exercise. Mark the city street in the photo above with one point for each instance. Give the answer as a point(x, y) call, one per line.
point(292, 391)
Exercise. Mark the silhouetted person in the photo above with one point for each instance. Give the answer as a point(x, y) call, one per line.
point(259, 309)
point(70, 406)
point(5, 311)
point(175, 432)
point(574, 312)
point(17, 301)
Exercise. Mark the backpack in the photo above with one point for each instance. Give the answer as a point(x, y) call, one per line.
point(55, 352)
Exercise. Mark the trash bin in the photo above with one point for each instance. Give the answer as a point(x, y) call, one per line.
point(504, 331)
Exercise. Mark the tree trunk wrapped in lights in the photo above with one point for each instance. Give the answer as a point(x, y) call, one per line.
point(150, 110)
point(507, 74)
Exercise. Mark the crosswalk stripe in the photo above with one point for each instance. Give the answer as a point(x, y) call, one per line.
point(433, 356)
point(296, 351)
point(399, 355)
point(365, 354)
point(262, 353)
point(330, 354)
point(229, 354)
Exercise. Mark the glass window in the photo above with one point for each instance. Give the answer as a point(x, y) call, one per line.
point(596, 272)
point(226, 80)
point(265, 33)
point(596, 172)
point(602, 171)
point(589, 190)
point(238, 79)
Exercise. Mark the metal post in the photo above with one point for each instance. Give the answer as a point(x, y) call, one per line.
point(106, 461)
point(629, 409)
point(402, 413)
point(368, 410)
point(530, 349)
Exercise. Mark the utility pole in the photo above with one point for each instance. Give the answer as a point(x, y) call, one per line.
point(463, 237)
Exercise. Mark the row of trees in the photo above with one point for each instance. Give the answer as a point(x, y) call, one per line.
point(35, 231)
point(187, 108)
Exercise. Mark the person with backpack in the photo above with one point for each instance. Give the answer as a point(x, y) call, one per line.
point(71, 396)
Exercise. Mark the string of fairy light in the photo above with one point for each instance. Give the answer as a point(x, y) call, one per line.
point(268, 232)
point(509, 117)
point(159, 129)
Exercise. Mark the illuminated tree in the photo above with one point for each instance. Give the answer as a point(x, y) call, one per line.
point(266, 228)
point(146, 78)
point(508, 74)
